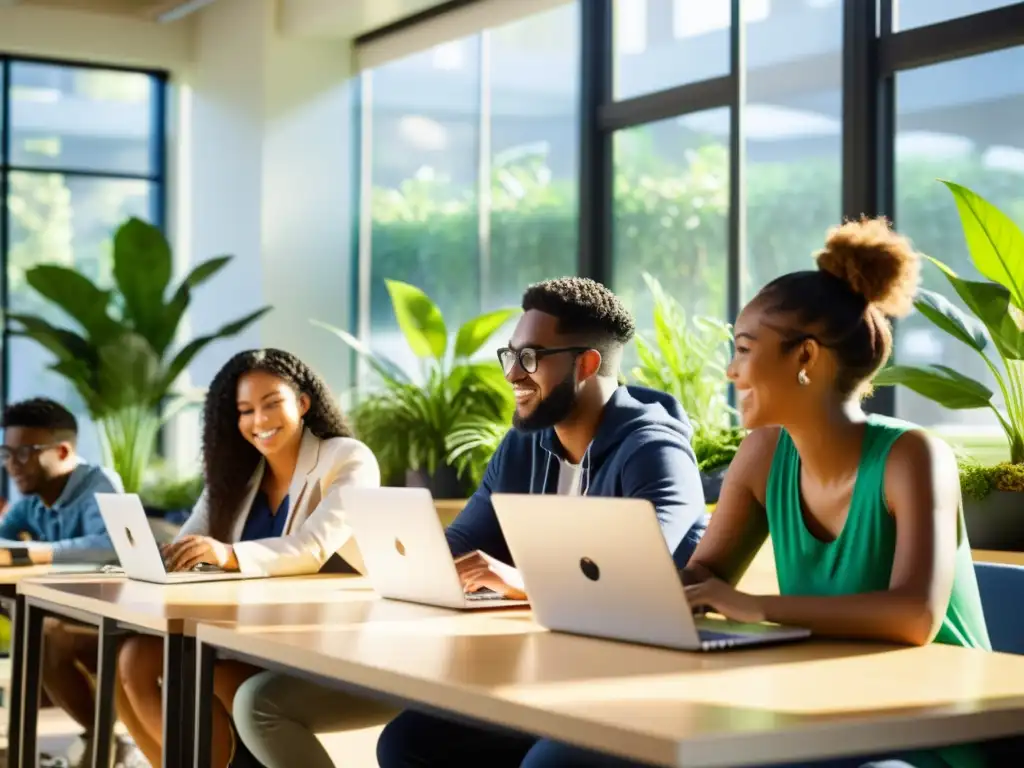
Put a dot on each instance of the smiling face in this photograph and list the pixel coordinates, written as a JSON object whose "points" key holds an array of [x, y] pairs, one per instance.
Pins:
{"points": [[34, 457], [765, 369], [546, 394], [269, 411]]}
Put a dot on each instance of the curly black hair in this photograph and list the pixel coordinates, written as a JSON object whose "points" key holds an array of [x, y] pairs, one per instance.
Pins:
{"points": [[229, 460], [588, 311], [41, 413]]}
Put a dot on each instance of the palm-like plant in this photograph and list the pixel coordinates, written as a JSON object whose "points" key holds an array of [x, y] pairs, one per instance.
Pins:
{"points": [[686, 357], [452, 413], [119, 357]]}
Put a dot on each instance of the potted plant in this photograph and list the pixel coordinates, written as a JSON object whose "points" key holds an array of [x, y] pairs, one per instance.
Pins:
{"points": [[993, 327], [119, 355], [438, 427], [687, 357]]}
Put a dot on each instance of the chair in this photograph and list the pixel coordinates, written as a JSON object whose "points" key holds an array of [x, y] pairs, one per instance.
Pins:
{"points": [[1002, 587]]}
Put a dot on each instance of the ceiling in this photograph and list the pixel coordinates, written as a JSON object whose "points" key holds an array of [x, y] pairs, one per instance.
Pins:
{"points": [[149, 10]]}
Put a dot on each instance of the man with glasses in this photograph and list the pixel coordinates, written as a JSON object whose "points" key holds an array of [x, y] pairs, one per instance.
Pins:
{"points": [[56, 520], [576, 431]]}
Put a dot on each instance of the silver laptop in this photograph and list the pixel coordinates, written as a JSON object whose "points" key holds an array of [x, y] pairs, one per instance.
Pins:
{"points": [[136, 545], [601, 567], [403, 545]]}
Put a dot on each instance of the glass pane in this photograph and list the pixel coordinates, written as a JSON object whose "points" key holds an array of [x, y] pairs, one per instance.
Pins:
{"points": [[908, 14], [81, 119], [793, 133], [67, 221], [426, 148], [534, 95], [959, 120], [661, 44], [671, 211]]}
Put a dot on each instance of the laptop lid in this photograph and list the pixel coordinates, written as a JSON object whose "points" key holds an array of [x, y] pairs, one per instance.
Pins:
{"points": [[131, 535], [597, 566], [403, 544]]}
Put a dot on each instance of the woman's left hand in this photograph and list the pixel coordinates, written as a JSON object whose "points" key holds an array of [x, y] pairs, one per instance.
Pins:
{"points": [[718, 596], [184, 554]]}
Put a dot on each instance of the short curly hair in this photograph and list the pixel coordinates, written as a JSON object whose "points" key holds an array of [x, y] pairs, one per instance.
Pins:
{"points": [[229, 460], [588, 311], [41, 413]]}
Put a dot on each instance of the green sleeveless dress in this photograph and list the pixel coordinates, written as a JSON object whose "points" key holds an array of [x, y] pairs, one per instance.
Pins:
{"points": [[860, 559]]}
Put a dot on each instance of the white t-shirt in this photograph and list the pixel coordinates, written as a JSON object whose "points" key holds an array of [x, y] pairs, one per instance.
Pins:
{"points": [[569, 476]]}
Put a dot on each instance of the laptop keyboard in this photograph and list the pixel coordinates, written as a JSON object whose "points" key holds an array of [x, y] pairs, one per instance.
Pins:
{"points": [[484, 594]]}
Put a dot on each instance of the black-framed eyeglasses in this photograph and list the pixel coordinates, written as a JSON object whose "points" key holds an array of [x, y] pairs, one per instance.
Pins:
{"points": [[23, 453], [529, 357]]}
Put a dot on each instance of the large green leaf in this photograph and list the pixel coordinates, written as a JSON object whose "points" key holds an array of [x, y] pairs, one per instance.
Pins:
{"points": [[945, 386], [142, 271], [65, 344], [175, 308], [474, 333], [995, 242], [194, 347], [950, 318], [78, 297], [990, 302], [420, 320], [128, 374], [392, 375]]}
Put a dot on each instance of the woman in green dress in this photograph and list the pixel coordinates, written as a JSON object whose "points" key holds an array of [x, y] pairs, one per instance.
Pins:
{"points": [[864, 512]]}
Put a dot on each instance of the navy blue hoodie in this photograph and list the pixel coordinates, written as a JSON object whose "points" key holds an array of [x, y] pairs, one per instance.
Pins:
{"points": [[641, 450]]}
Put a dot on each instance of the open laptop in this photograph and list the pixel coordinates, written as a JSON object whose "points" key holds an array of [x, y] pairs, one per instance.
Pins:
{"points": [[600, 567], [404, 549], [136, 545]]}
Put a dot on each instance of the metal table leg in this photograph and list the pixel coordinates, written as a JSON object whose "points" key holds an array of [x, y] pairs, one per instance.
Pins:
{"points": [[32, 672], [206, 659], [16, 609], [106, 670]]}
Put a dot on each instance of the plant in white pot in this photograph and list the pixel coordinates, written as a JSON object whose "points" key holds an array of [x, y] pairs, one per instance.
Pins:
{"points": [[993, 327]]}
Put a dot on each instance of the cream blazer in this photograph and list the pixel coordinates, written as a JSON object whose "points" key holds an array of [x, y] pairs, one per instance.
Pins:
{"points": [[313, 531]]}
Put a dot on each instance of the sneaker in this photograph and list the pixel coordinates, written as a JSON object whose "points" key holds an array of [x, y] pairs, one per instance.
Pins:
{"points": [[128, 755], [51, 761]]}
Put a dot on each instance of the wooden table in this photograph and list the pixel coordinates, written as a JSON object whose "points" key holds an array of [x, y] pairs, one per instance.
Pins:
{"points": [[790, 703], [118, 606]]}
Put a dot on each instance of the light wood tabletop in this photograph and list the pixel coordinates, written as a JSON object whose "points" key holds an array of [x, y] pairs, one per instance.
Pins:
{"points": [[785, 703], [175, 609], [12, 575]]}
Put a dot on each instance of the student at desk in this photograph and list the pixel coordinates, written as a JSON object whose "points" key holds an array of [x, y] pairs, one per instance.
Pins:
{"points": [[577, 432], [58, 515], [864, 512], [275, 445]]}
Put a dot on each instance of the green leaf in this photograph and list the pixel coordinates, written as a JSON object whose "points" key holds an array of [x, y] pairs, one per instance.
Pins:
{"points": [[128, 374], [387, 370], [65, 344], [995, 242], [990, 302], [420, 320], [142, 270], [950, 318], [78, 297], [945, 386], [175, 308], [474, 333], [194, 347]]}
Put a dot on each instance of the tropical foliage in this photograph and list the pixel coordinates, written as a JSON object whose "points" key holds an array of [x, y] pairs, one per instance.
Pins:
{"points": [[120, 351], [992, 326], [451, 412]]}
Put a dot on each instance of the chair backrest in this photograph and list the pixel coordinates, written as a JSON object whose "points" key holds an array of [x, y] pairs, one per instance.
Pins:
{"points": [[1002, 592]]}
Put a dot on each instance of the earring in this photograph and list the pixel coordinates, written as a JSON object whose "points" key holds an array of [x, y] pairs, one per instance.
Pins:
{"points": [[803, 378]]}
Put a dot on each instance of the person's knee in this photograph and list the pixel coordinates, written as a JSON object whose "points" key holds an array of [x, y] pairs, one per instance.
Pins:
{"points": [[257, 702], [398, 741], [139, 663]]}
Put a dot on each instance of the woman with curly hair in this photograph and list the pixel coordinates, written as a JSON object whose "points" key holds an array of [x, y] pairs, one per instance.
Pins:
{"points": [[275, 446]]}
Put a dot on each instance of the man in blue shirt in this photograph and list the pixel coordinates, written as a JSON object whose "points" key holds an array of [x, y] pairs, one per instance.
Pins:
{"points": [[58, 521], [58, 512]]}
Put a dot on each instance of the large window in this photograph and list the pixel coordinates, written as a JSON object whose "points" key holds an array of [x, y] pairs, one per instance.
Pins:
{"points": [[82, 152], [474, 169], [958, 120]]}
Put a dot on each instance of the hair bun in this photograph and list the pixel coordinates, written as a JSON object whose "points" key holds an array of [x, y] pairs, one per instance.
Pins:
{"points": [[875, 262]]}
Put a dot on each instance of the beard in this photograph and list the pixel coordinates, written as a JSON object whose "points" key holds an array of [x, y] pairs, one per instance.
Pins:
{"points": [[553, 409]]}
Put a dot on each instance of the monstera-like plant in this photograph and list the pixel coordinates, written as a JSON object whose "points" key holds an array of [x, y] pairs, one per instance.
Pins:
{"points": [[436, 427], [120, 354]]}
